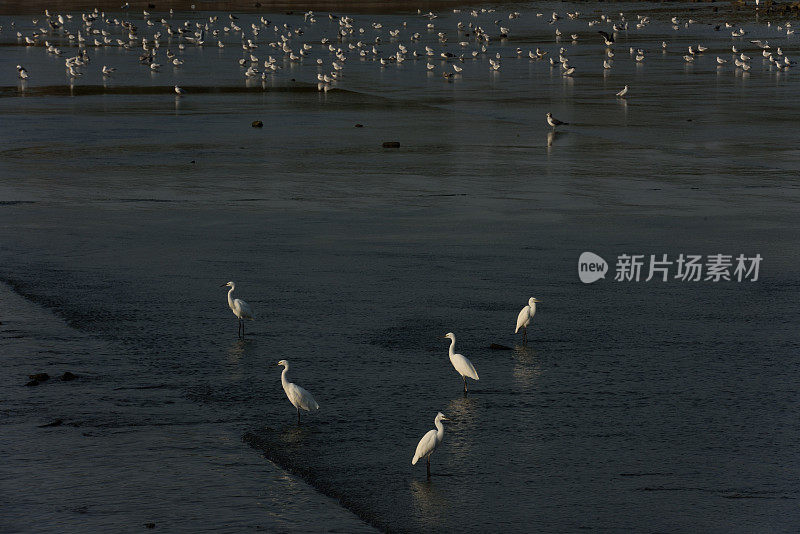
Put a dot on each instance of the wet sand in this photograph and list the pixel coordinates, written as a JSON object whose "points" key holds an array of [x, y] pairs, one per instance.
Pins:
{"points": [[56, 433]]}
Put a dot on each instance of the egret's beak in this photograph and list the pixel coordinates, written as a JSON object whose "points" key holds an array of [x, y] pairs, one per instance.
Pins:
{"points": [[445, 418], [536, 300], [223, 285]]}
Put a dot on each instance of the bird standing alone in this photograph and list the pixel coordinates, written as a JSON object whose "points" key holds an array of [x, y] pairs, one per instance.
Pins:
{"points": [[524, 318], [299, 397], [240, 308], [460, 362], [429, 442], [552, 121]]}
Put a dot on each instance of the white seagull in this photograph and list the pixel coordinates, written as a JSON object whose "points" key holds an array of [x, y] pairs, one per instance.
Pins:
{"points": [[623, 92], [552, 121]]}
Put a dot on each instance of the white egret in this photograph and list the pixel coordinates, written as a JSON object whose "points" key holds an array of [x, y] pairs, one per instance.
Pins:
{"points": [[525, 316], [240, 308], [460, 362], [299, 397], [429, 442]]}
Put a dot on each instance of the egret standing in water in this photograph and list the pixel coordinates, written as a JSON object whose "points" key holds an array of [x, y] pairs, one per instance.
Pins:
{"points": [[430, 441], [240, 308], [299, 397], [524, 318], [460, 362]]}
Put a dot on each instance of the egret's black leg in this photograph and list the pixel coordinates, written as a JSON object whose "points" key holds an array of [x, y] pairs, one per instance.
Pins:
{"points": [[242, 329], [298, 416], [428, 464], [465, 383]]}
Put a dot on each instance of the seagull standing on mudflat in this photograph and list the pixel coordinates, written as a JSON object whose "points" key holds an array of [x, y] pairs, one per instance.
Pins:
{"points": [[552, 121]]}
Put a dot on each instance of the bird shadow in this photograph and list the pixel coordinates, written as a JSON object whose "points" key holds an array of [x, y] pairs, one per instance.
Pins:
{"points": [[294, 434]]}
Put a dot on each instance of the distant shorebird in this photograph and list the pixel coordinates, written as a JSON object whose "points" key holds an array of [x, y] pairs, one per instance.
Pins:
{"points": [[179, 91], [344, 41], [552, 121], [624, 92], [430, 442], [240, 308], [526, 314], [608, 39], [460, 362], [299, 397]]}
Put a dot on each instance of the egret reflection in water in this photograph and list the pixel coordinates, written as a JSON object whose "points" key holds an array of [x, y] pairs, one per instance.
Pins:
{"points": [[236, 351], [526, 367], [429, 504], [464, 414]]}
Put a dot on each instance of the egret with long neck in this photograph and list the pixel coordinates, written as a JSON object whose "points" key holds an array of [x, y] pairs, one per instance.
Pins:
{"points": [[525, 317], [240, 308], [299, 397], [429, 442], [460, 362]]}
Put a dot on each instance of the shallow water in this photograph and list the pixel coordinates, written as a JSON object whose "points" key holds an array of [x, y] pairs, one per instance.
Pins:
{"points": [[635, 407]]}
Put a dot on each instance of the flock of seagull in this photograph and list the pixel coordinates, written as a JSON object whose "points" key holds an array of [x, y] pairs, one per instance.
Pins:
{"points": [[301, 399], [451, 46]]}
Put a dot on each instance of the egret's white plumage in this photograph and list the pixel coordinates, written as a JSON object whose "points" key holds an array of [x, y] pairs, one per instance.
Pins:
{"points": [[460, 362], [240, 308], [525, 316], [429, 442], [299, 397]]}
